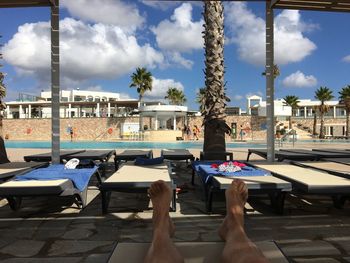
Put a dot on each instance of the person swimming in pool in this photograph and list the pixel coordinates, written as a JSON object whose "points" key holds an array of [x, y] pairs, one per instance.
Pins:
{"points": [[238, 247]]}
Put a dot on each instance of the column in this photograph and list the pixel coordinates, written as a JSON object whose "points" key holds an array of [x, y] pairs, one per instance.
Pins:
{"points": [[29, 111], [8, 111], [69, 110], [20, 112], [174, 123], [156, 123], [305, 112], [98, 109], [55, 82], [334, 111], [270, 119], [109, 109]]}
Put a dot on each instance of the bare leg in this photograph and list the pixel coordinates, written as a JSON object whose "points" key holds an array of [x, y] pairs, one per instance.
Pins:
{"points": [[238, 248], [162, 248]]}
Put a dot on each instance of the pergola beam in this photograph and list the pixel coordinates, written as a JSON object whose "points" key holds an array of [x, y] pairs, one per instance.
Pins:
{"points": [[313, 5], [24, 3]]}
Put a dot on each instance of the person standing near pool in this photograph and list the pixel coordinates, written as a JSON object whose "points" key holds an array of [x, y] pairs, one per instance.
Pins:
{"points": [[71, 132]]}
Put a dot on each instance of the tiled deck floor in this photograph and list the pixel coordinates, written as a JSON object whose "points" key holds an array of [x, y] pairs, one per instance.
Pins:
{"points": [[44, 231]]}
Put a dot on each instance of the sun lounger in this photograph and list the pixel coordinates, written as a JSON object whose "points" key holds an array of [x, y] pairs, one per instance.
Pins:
{"points": [[281, 155], [339, 160], [102, 156], [131, 155], [320, 155], [332, 150], [258, 182], [46, 157], [193, 252], [52, 180], [8, 170], [177, 154], [134, 178], [310, 181], [338, 169]]}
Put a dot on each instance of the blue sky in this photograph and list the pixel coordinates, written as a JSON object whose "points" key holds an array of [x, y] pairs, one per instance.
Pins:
{"points": [[103, 44]]}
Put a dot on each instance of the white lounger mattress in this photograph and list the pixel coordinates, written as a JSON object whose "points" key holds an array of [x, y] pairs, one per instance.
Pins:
{"points": [[35, 187], [336, 167], [139, 176], [311, 180]]}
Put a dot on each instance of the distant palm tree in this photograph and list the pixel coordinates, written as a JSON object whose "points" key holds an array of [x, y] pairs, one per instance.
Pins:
{"points": [[142, 80], [215, 126], [200, 99], [323, 94], [276, 71], [175, 96], [345, 99], [292, 101]]}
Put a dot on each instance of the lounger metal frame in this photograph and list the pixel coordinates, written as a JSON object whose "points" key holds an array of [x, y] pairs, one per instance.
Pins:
{"points": [[80, 197], [106, 190]]}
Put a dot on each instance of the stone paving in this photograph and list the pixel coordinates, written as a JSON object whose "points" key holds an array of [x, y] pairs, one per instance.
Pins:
{"points": [[54, 230]]}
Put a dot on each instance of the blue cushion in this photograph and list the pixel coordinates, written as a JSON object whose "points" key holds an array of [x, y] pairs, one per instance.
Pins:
{"points": [[148, 161]]}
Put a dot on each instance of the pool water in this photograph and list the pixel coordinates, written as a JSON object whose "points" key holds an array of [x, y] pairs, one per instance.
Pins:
{"points": [[124, 145]]}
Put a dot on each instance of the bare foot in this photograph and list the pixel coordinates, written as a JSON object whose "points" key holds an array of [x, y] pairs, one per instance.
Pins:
{"points": [[236, 197], [161, 195]]}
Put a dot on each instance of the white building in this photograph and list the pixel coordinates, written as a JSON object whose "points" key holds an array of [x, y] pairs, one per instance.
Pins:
{"points": [[306, 108], [73, 103]]}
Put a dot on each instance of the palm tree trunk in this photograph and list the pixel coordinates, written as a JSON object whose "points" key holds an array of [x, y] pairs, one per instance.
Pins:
{"points": [[3, 153], [315, 124], [215, 126], [290, 122], [322, 126]]}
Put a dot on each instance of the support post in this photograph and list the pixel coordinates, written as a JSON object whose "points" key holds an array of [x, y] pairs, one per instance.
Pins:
{"points": [[109, 110], [270, 118], [98, 109], [55, 83], [29, 111]]}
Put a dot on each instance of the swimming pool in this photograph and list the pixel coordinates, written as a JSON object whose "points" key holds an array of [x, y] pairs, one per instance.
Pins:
{"points": [[124, 145]]}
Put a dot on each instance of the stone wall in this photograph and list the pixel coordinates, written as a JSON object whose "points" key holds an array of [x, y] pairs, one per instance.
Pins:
{"points": [[105, 129], [85, 129]]}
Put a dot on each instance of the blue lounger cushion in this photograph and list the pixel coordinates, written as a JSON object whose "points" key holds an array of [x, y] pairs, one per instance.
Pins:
{"points": [[79, 177], [207, 172], [148, 161]]}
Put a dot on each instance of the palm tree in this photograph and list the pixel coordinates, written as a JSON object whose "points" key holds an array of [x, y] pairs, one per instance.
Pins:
{"points": [[200, 99], [292, 101], [175, 96], [323, 94], [345, 99], [215, 126], [142, 80]]}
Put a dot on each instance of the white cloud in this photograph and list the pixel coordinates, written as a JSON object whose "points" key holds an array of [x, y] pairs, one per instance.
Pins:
{"points": [[180, 33], [346, 59], [237, 97], [162, 5], [161, 86], [87, 51], [176, 58], [113, 12], [248, 32], [299, 80]]}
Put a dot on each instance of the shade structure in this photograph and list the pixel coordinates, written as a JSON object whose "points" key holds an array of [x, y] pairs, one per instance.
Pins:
{"points": [[25, 3], [55, 64], [314, 5]]}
